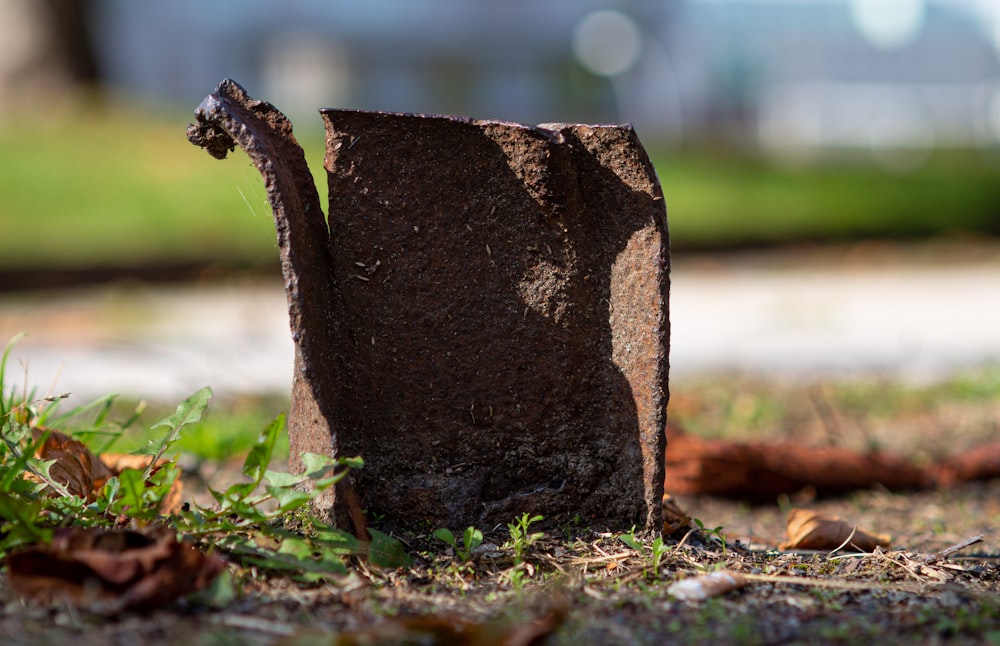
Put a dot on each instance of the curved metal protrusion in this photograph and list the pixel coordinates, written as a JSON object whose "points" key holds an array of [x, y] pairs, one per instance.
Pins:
{"points": [[229, 117]]}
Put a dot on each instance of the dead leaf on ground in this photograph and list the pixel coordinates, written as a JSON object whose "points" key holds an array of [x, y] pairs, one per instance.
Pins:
{"points": [[674, 518], [112, 571], [760, 471], [810, 530], [764, 470], [118, 462], [978, 463], [83, 473], [75, 466], [706, 586]]}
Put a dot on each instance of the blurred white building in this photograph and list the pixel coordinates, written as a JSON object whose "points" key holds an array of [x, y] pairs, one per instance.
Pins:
{"points": [[796, 76]]}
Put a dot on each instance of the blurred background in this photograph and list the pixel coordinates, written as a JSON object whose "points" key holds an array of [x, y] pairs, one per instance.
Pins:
{"points": [[765, 118], [773, 124]]}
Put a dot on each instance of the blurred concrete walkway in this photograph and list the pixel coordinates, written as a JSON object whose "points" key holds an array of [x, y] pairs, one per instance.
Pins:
{"points": [[795, 316], [907, 319]]}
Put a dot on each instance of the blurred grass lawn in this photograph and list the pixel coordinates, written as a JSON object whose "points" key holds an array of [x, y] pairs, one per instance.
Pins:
{"points": [[116, 189], [111, 191]]}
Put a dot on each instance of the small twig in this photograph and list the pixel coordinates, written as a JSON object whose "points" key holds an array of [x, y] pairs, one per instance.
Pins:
{"points": [[620, 556], [885, 556], [948, 551], [553, 561], [683, 540], [846, 542], [598, 548]]}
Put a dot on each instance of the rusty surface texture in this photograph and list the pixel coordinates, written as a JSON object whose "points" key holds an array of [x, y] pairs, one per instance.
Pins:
{"points": [[486, 320]]}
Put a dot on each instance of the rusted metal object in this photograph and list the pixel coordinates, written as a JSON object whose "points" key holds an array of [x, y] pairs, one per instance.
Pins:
{"points": [[486, 319]]}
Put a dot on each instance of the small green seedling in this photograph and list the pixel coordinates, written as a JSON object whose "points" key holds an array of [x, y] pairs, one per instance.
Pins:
{"points": [[717, 532], [631, 541], [471, 539], [520, 538], [658, 549]]}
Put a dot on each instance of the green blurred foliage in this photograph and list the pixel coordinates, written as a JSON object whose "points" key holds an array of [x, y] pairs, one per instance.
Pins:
{"points": [[112, 188]]}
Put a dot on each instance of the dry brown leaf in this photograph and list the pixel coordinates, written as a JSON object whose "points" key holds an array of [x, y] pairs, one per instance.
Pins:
{"points": [[118, 462], [978, 463], [75, 466], [674, 518], [109, 571], [706, 586], [763, 470], [760, 471], [810, 530], [83, 473]]}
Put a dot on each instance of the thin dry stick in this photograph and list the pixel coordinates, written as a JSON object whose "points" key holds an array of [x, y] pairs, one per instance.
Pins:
{"points": [[948, 551], [927, 571], [598, 549], [846, 542], [885, 556], [620, 556], [554, 562], [682, 541]]}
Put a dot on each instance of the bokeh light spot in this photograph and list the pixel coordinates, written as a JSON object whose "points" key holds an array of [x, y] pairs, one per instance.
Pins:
{"points": [[607, 43], [888, 24]]}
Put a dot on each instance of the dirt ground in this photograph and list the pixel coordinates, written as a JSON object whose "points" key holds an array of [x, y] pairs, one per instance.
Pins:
{"points": [[580, 585], [597, 590]]}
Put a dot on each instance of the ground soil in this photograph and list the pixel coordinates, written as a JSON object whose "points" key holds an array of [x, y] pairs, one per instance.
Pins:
{"points": [[582, 585], [596, 590]]}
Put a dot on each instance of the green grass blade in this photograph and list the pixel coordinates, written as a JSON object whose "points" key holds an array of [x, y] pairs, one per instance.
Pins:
{"points": [[116, 434], [6, 406], [259, 457], [103, 403], [188, 412]]}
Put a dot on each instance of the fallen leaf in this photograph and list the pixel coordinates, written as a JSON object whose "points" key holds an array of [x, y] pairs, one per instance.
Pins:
{"points": [[118, 462], [810, 530], [705, 586], [674, 518], [110, 571], [83, 473], [978, 463], [761, 471], [75, 466]]}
